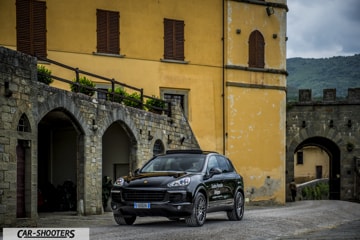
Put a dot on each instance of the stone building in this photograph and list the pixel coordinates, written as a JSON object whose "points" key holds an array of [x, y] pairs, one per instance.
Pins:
{"points": [[57, 146]]}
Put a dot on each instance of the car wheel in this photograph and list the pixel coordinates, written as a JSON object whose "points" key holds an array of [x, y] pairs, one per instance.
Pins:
{"points": [[238, 211], [119, 219], [198, 215]]}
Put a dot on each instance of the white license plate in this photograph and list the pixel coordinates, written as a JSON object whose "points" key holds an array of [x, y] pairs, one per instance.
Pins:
{"points": [[141, 205]]}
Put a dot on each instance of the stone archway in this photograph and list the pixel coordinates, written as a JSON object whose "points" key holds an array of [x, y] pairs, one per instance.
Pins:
{"points": [[59, 149], [334, 161]]}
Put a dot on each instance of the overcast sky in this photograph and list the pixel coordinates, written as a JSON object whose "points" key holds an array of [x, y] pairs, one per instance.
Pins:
{"points": [[323, 28]]}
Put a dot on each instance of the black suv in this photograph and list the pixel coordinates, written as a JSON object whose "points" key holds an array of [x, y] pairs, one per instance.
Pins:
{"points": [[180, 184]]}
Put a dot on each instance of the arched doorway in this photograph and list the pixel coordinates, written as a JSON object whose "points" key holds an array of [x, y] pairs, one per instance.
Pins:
{"points": [[59, 137], [115, 151], [116, 155], [333, 152], [23, 169]]}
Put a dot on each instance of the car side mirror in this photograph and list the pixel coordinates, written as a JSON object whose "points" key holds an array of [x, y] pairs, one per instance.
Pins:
{"points": [[214, 171], [136, 171]]}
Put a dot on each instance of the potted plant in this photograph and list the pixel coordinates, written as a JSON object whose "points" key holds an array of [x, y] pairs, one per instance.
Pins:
{"points": [[118, 95], [155, 104], [133, 100], [44, 75], [85, 86]]}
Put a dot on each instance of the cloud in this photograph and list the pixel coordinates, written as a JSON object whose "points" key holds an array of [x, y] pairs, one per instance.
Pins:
{"points": [[323, 28]]}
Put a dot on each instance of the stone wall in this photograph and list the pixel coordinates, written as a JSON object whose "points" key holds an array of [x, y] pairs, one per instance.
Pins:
{"points": [[334, 126], [21, 94]]}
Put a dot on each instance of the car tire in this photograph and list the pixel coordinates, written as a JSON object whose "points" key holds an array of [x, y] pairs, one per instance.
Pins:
{"points": [[198, 215], [121, 220], [238, 211]]}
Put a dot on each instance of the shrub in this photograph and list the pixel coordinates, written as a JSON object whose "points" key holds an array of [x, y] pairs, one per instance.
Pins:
{"points": [[133, 100], [44, 75], [119, 94], [85, 86], [155, 102], [316, 192]]}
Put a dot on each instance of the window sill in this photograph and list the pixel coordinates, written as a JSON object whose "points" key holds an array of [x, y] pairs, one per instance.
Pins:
{"points": [[173, 61], [109, 55]]}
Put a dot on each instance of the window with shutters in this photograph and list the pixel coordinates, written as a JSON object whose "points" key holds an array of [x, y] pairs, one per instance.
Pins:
{"points": [[256, 50], [31, 27], [108, 31], [174, 39]]}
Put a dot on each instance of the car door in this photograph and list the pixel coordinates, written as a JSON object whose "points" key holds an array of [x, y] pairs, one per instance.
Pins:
{"points": [[229, 179], [213, 183]]}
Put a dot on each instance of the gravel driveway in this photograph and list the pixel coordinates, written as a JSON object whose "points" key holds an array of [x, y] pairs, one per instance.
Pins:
{"points": [[326, 219]]}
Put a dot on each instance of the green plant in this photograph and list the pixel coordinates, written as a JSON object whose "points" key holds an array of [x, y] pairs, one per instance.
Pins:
{"points": [[316, 192], [133, 100], [155, 102], [85, 86], [44, 75], [118, 96]]}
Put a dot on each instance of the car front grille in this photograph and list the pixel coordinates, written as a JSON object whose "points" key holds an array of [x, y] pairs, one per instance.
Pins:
{"points": [[143, 195]]}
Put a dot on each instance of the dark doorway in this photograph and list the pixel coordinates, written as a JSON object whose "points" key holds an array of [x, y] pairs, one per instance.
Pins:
{"points": [[319, 172], [58, 158], [334, 155], [20, 184]]}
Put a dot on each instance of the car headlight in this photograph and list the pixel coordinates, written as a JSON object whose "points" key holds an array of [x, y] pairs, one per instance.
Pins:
{"points": [[119, 182], [180, 183]]}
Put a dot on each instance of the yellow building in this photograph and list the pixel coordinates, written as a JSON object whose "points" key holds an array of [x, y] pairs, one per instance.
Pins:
{"points": [[311, 163], [223, 60]]}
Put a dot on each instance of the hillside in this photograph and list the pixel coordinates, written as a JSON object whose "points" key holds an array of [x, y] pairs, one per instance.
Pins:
{"points": [[318, 74]]}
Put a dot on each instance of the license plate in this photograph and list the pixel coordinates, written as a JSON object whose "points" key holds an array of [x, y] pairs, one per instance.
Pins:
{"points": [[141, 205]]}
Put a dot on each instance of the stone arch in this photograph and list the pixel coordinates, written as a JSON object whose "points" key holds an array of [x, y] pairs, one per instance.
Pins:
{"points": [[61, 101], [159, 135], [30, 116], [328, 141], [61, 154], [121, 116], [159, 147]]}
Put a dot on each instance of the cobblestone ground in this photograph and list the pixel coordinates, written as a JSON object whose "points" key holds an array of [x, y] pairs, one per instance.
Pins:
{"points": [[299, 220]]}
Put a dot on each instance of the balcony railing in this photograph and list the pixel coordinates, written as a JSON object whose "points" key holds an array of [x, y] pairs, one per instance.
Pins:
{"points": [[142, 101]]}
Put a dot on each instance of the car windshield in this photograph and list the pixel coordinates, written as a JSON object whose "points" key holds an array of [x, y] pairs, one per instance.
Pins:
{"points": [[175, 163]]}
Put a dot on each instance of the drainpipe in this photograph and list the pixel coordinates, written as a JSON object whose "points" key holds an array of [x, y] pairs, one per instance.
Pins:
{"points": [[223, 74]]}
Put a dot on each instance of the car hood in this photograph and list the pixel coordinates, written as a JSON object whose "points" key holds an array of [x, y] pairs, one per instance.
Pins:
{"points": [[156, 179]]}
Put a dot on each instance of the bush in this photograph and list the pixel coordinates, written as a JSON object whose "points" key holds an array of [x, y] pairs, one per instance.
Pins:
{"points": [[84, 86], [316, 192], [155, 102], [119, 94], [44, 75], [133, 100]]}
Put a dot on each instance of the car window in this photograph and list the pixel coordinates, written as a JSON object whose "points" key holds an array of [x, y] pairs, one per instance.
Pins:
{"points": [[224, 164], [213, 163], [175, 162]]}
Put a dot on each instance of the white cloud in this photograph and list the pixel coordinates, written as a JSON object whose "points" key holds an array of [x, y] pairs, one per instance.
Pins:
{"points": [[323, 28]]}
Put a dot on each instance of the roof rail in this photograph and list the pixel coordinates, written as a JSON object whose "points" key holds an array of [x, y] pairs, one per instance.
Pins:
{"points": [[192, 151]]}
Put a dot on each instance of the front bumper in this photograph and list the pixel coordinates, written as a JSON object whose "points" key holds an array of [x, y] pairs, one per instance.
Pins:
{"points": [[173, 203]]}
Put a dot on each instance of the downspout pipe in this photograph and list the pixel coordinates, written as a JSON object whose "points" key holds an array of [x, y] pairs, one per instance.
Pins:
{"points": [[223, 77]]}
